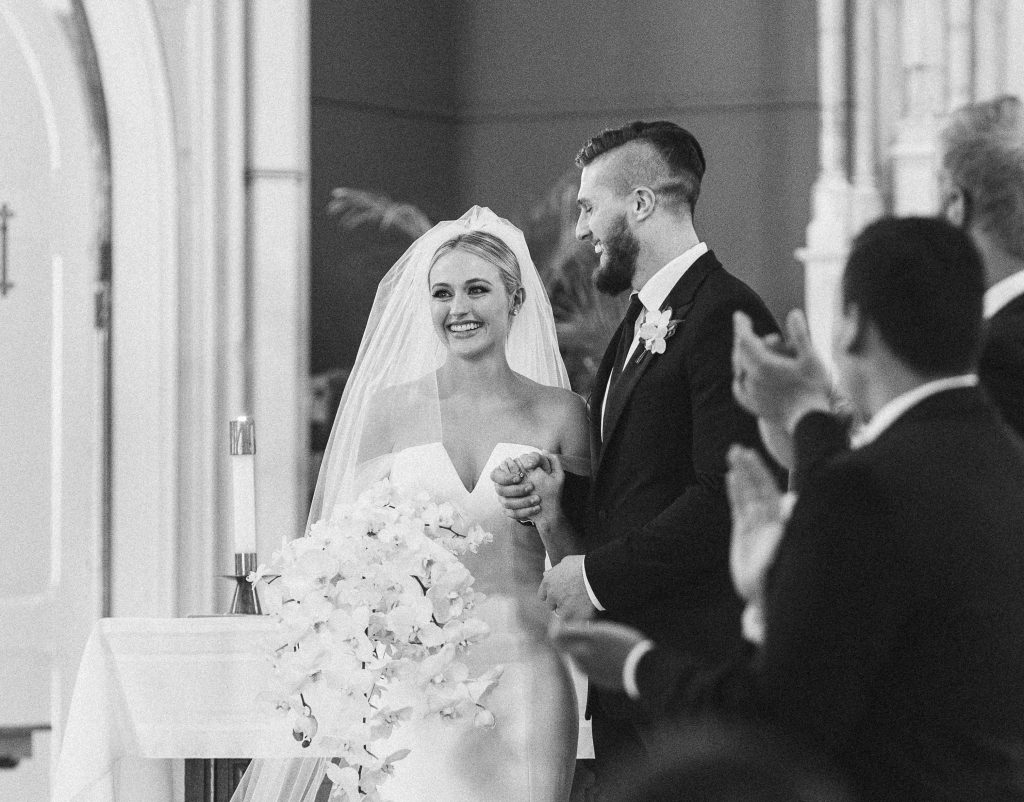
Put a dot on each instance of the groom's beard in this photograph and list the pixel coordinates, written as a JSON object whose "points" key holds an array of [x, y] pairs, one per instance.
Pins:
{"points": [[621, 249]]}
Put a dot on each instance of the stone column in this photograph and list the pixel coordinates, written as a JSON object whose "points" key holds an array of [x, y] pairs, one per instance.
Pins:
{"points": [[915, 164], [960, 67], [867, 200], [828, 231], [990, 39], [278, 224]]}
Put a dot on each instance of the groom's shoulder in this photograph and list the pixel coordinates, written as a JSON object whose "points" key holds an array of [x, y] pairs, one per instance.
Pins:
{"points": [[723, 293]]}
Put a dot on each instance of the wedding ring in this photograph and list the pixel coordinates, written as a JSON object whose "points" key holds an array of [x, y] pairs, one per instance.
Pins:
{"points": [[519, 476]]}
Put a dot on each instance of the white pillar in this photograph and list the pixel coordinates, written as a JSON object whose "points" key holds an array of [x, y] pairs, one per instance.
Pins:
{"points": [[213, 308], [279, 263], [990, 36], [867, 200], [914, 155], [828, 231], [960, 67]]}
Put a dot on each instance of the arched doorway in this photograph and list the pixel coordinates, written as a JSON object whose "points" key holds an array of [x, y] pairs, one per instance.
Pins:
{"points": [[55, 385]]}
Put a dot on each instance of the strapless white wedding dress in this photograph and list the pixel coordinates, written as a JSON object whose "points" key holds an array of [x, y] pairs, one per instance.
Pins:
{"points": [[529, 754]]}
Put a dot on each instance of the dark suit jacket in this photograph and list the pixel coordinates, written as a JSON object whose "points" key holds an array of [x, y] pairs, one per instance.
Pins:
{"points": [[1001, 368], [895, 610], [658, 534]]}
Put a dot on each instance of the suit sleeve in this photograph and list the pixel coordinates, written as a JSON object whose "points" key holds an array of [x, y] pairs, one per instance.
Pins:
{"points": [[690, 538], [1002, 376], [838, 600], [818, 438]]}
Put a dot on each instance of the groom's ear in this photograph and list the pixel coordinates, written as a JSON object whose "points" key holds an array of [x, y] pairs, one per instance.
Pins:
{"points": [[643, 202]]}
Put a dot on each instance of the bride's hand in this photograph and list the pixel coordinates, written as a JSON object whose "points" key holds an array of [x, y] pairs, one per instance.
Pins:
{"points": [[514, 487]]}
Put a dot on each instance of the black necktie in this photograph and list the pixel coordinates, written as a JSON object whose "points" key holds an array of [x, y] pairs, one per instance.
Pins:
{"points": [[626, 336]]}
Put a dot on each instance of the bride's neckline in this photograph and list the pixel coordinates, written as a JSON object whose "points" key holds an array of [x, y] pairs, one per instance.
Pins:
{"points": [[484, 471]]}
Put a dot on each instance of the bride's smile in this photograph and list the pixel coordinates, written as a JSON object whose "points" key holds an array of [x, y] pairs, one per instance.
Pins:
{"points": [[470, 306]]}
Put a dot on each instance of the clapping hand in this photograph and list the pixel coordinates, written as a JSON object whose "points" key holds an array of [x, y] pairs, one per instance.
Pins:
{"points": [[757, 523], [777, 380]]}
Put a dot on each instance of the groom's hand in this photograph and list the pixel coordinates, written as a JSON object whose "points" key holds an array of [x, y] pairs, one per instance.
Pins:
{"points": [[514, 487], [564, 590]]}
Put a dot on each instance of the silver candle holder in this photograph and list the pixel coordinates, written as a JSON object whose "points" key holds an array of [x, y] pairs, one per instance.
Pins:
{"points": [[246, 600]]}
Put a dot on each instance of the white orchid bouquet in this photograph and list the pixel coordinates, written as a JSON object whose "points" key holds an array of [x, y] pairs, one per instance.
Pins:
{"points": [[375, 616]]}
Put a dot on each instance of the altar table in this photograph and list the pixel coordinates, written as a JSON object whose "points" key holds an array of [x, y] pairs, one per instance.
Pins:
{"points": [[151, 692]]}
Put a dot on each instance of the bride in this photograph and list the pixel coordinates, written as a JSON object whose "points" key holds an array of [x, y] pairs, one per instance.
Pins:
{"points": [[458, 372]]}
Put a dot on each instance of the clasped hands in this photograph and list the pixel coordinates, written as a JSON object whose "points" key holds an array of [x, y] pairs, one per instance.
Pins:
{"points": [[530, 489]]}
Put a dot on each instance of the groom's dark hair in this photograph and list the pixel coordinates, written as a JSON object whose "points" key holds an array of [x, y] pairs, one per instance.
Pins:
{"points": [[920, 281], [678, 148]]}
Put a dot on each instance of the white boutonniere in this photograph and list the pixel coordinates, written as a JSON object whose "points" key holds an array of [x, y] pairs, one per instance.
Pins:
{"points": [[654, 331]]}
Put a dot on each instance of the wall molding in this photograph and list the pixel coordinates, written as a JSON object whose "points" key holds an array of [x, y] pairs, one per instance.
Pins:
{"points": [[525, 110]]}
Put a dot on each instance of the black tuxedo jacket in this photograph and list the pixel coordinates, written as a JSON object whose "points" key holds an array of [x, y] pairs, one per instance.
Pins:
{"points": [[658, 530], [1001, 368], [894, 611]]}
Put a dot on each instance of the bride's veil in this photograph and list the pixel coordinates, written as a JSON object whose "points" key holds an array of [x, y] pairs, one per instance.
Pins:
{"points": [[392, 388]]}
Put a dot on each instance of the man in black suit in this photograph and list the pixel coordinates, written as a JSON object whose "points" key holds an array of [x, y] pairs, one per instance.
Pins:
{"points": [[894, 618], [982, 187], [662, 417]]}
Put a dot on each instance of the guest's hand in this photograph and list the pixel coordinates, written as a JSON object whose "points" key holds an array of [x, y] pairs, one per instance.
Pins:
{"points": [[514, 488], [757, 523], [779, 381], [564, 590], [599, 648]]}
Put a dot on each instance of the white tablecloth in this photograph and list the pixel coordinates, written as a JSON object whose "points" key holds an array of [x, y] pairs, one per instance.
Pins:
{"points": [[149, 690]]}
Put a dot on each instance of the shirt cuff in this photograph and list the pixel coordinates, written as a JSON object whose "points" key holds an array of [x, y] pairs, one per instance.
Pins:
{"points": [[629, 668], [590, 590], [753, 623]]}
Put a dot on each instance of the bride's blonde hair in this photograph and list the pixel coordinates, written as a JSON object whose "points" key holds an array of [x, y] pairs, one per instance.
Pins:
{"points": [[491, 249]]}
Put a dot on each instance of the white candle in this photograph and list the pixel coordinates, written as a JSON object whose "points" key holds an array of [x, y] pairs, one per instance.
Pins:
{"points": [[243, 483]]}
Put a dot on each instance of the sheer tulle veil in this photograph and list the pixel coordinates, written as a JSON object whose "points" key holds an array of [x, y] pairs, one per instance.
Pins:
{"points": [[392, 385], [393, 381]]}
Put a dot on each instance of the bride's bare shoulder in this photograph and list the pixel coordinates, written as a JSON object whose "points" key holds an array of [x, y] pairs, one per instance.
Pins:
{"points": [[555, 403]]}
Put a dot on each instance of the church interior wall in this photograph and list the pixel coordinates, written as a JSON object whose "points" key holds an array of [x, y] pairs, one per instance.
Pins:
{"points": [[444, 105]]}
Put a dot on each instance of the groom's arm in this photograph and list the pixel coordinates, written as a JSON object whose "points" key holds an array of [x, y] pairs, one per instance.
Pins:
{"points": [[689, 540]]}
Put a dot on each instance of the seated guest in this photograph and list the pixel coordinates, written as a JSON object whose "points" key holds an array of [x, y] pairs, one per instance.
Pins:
{"points": [[894, 612], [982, 183]]}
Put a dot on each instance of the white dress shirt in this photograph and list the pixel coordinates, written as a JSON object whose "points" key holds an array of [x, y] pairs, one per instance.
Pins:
{"points": [[1001, 293], [897, 407], [652, 296]]}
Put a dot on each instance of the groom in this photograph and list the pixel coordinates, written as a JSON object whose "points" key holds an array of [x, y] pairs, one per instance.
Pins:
{"points": [[662, 417]]}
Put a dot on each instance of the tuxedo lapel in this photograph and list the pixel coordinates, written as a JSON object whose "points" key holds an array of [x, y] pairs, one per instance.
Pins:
{"points": [[680, 299], [597, 393]]}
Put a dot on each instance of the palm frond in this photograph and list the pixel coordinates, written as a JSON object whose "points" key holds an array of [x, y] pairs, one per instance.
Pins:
{"points": [[357, 207]]}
